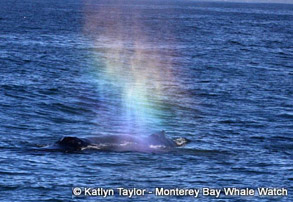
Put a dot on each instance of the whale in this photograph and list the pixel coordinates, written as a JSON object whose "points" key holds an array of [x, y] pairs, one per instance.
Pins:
{"points": [[156, 142]]}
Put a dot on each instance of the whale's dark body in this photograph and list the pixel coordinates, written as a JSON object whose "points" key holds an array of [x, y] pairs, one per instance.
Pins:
{"points": [[153, 143]]}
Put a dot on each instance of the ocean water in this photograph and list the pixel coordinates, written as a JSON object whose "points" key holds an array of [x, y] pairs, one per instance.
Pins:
{"points": [[219, 74]]}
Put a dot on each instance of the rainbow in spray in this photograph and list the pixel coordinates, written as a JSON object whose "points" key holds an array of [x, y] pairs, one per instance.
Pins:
{"points": [[132, 73]]}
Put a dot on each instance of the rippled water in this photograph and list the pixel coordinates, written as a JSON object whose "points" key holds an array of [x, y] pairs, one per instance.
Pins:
{"points": [[219, 74]]}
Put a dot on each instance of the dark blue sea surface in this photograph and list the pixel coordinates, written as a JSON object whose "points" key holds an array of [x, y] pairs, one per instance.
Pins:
{"points": [[219, 74]]}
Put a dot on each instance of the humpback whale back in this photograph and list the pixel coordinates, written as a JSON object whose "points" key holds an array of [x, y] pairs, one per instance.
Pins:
{"points": [[181, 141], [161, 139], [175, 142], [72, 143], [153, 143]]}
